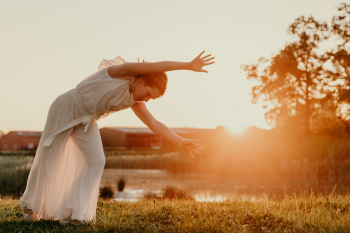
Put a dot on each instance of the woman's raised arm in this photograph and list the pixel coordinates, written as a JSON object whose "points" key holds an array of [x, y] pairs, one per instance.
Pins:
{"points": [[135, 68], [162, 130]]}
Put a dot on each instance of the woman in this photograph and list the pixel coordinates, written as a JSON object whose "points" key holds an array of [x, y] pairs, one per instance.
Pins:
{"points": [[65, 176]]}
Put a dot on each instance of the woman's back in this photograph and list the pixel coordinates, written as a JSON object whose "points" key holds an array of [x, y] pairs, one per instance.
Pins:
{"points": [[99, 93]]}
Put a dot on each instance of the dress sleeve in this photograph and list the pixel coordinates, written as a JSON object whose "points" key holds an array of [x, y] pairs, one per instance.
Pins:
{"points": [[107, 63]]}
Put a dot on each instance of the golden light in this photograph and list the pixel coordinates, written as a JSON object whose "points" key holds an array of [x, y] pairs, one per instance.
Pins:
{"points": [[236, 129]]}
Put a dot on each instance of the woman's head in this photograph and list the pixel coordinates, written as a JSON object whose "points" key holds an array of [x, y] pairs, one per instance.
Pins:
{"points": [[149, 86]]}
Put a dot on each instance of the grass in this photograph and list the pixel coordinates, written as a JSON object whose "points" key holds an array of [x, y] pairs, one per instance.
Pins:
{"points": [[15, 162], [18, 153], [306, 213], [14, 171], [152, 161]]}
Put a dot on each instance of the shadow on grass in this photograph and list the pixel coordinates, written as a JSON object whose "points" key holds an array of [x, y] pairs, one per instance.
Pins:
{"points": [[39, 226]]}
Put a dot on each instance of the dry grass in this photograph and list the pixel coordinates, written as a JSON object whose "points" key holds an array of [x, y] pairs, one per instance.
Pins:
{"points": [[14, 171], [308, 213]]}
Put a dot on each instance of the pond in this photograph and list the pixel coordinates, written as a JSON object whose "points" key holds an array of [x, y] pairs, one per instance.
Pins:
{"points": [[217, 188]]}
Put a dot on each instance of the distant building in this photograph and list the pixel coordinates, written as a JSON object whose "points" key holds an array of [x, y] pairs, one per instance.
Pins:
{"points": [[128, 137], [20, 140]]}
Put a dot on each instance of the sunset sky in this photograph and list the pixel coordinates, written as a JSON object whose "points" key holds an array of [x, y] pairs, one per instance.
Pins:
{"points": [[48, 47]]}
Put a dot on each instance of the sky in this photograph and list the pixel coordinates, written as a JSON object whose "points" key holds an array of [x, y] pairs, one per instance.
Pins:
{"points": [[48, 47]]}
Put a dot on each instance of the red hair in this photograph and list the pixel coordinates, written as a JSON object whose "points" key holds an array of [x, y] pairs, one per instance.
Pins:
{"points": [[155, 80]]}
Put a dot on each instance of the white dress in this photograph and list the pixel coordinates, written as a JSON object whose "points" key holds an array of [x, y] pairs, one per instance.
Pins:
{"points": [[65, 176]]}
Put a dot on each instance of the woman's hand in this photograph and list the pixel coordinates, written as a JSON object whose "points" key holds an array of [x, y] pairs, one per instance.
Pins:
{"points": [[191, 145], [198, 63]]}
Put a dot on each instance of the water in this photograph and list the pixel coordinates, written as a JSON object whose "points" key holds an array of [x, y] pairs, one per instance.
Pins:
{"points": [[217, 188]]}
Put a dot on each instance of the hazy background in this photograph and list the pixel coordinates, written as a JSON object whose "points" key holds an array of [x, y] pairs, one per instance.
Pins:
{"points": [[47, 48]]}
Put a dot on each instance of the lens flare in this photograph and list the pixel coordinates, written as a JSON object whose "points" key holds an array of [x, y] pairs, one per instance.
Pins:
{"points": [[236, 129]]}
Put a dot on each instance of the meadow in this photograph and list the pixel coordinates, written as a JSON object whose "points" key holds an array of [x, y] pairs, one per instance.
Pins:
{"points": [[303, 213], [299, 212], [14, 171]]}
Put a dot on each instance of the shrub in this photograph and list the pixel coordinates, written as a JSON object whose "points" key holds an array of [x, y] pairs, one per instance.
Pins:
{"points": [[172, 192], [121, 184], [106, 192]]}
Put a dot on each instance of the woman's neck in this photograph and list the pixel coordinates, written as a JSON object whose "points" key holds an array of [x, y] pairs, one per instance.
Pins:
{"points": [[132, 86]]}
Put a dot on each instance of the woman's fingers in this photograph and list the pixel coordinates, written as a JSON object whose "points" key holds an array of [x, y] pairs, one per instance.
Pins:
{"points": [[197, 151], [193, 140], [199, 145], [193, 145], [190, 152], [198, 62], [201, 54], [206, 60], [206, 56], [199, 148], [209, 63]]}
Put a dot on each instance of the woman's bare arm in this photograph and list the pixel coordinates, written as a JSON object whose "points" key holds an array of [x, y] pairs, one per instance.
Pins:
{"points": [[135, 68], [162, 130]]}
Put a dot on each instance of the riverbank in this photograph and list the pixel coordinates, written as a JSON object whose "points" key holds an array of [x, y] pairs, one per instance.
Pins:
{"points": [[309, 213]]}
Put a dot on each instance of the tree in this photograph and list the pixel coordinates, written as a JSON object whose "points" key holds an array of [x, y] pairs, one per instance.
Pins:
{"points": [[293, 83], [340, 59]]}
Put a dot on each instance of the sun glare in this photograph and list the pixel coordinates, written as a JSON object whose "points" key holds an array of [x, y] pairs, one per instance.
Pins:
{"points": [[236, 129]]}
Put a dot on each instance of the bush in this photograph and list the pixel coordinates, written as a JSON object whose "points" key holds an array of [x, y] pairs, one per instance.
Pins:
{"points": [[106, 192], [121, 184], [172, 192]]}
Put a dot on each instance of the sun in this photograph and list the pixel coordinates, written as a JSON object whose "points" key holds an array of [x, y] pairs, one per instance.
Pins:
{"points": [[236, 129]]}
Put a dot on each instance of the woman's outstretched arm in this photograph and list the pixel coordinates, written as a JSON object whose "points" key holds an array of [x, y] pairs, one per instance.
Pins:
{"points": [[135, 68], [162, 130]]}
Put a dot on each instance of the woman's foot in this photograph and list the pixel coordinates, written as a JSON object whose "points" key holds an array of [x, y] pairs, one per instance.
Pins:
{"points": [[28, 214]]}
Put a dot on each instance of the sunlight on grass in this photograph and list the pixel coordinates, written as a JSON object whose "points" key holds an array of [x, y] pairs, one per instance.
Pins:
{"points": [[303, 213]]}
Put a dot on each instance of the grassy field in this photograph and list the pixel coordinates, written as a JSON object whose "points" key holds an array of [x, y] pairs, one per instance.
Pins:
{"points": [[308, 213], [14, 171]]}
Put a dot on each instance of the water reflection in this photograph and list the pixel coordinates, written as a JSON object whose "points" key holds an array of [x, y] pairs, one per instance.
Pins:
{"points": [[129, 195], [217, 188], [202, 197]]}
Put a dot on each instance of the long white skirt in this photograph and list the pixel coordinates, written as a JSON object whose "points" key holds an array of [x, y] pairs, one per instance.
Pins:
{"points": [[65, 177]]}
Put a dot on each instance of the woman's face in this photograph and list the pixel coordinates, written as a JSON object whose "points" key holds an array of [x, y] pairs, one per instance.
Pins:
{"points": [[143, 92]]}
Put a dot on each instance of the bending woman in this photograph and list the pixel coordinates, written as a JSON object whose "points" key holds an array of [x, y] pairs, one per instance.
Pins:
{"points": [[65, 177]]}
